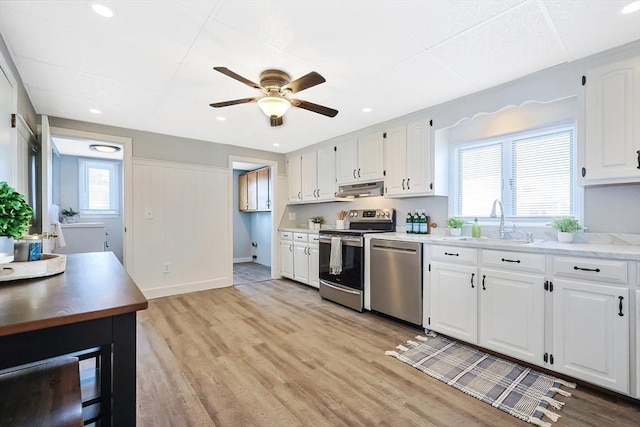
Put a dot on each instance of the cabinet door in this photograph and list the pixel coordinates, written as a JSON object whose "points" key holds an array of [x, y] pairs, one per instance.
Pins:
{"points": [[286, 259], [326, 173], [370, 157], [454, 301], [395, 161], [591, 332], [309, 174], [294, 177], [418, 165], [347, 162], [512, 314], [252, 191], [264, 198], [314, 266], [612, 137], [243, 203], [301, 262]]}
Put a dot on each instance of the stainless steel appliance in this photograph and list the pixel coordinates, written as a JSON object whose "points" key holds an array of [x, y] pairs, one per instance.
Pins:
{"points": [[396, 279], [347, 286]]}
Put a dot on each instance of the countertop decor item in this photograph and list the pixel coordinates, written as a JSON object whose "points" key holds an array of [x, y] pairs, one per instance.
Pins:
{"points": [[317, 222], [522, 392], [48, 265], [566, 226], [15, 217], [455, 225]]}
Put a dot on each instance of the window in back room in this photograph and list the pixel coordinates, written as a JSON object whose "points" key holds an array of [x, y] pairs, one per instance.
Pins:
{"points": [[99, 187]]}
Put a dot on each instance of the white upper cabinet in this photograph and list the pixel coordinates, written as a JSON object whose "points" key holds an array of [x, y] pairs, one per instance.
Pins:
{"points": [[612, 128], [360, 160], [408, 160], [312, 176]]}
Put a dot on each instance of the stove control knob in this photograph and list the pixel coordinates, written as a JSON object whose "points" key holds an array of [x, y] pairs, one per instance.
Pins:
{"points": [[354, 213], [378, 214], [387, 214]]}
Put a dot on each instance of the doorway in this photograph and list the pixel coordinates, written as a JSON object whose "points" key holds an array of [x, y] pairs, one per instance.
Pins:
{"points": [[253, 230]]}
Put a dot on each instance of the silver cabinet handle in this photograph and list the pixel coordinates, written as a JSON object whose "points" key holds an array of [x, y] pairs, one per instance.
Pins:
{"points": [[403, 183], [408, 187], [354, 173]]}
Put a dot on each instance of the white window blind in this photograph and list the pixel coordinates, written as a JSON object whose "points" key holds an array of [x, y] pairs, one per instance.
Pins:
{"points": [[532, 174]]}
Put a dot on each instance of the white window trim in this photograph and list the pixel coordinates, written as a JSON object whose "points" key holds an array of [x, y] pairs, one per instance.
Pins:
{"points": [[529, 222], [115, 190]]}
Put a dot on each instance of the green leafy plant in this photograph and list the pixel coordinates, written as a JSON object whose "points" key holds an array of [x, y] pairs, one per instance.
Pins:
{"points": [[15, 212], [566, 224], [455, 222], [68, 212], [317, 220]]}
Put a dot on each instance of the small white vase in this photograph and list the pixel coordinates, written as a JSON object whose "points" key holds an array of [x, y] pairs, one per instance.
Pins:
{"points": [[565, 237], [455, 231], [6, 249]]}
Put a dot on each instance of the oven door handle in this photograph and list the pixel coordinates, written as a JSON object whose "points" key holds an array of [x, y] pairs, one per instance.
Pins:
{"points": [[347, 241], [340, 288]]}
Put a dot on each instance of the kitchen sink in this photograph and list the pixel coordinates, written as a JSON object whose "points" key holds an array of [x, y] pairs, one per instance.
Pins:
{"points": [[491, 241]]}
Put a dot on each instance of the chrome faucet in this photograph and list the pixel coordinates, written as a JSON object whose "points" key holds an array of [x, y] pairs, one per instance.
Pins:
{"points": [[504, 233]]}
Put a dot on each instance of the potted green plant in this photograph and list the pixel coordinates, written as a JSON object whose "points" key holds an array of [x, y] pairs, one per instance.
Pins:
{"points": [[317, 222], [455, 225], [566, 226], [15, 218], [68, 215]]}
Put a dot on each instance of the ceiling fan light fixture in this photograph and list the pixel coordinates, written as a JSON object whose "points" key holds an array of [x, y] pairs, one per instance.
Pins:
{"points": [[274, 106]]}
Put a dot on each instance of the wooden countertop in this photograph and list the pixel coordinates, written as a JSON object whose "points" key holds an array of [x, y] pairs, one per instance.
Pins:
{"points": [[93, 286]]}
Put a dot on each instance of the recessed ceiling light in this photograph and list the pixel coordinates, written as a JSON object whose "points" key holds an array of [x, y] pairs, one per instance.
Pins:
{"points": [[366, 110], [276, 144], [634, 6], [103, 148], [220, 119], [95, 111], [103, 10]]}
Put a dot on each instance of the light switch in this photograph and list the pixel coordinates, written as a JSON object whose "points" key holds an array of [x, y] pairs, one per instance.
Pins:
{"points": [[148, 213]]}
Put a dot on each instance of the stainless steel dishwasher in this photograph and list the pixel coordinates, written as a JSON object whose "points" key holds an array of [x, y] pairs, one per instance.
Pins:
{"points": [[396, 279]]}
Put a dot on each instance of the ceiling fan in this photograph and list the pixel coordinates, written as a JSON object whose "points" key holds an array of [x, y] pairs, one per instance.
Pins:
{"points": [[277, 86]]}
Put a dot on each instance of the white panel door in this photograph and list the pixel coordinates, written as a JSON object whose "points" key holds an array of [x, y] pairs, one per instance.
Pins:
{"points": [[326, 173], [612, 134], [454, 301], [512, 314], [370, 157], [418, 155], [286, 259], [591, 333], [314, 266], [47, 182], [301, 262], [309, 174], [347, 162], [295, 179], [395, 158]]}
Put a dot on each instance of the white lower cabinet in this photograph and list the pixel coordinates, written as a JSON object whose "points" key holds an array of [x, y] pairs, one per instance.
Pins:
{"points": [[301, 262], [512, 313], [300, 258], [286, 255], [591, 332], [314, 260]]}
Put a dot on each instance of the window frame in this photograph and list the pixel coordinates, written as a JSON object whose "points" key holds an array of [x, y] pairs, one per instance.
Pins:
{"points": [[115, 188], [506, 140]]}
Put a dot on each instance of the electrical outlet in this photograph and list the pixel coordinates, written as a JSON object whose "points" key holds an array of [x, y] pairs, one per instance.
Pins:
{"points": [[166, 267], [292, 216], [148, 213]]}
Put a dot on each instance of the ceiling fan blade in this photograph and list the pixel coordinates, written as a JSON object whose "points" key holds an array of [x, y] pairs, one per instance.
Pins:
{"points": [[233, 102], [276, 121], [304, 82], [238, 77], [326, 111]]}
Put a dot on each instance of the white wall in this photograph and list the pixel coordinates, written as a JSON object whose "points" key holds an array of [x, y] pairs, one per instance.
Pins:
{"points": [[261, 234], [180, 217]]}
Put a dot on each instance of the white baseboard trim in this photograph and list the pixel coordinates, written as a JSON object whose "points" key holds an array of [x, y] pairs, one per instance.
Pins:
{"points": [[245, 259], [184, 288]]}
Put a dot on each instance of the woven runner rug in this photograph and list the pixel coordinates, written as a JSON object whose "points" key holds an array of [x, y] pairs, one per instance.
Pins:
{"points": [[514, 389]]}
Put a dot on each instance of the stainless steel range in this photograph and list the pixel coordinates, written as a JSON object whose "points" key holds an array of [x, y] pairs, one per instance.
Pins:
{"points": [[342, 255]]}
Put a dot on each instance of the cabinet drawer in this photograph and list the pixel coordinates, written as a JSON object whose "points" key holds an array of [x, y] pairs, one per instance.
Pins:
{"points": [[514, 260], [314, 239], [286, 235], [454, 254], [300, 237], [591, 269]]}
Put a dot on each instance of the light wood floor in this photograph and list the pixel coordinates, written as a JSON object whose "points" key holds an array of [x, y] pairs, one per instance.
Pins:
{"points": [[275, 354], [250, 272]]}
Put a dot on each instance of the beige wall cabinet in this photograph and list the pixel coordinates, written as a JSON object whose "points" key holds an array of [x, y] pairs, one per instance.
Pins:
{"points": [[253, 188], [612, 126]]}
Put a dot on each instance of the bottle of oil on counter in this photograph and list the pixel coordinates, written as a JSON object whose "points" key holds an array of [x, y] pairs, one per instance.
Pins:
{"points": [[416, 222], [424, 222], [409, 222]]}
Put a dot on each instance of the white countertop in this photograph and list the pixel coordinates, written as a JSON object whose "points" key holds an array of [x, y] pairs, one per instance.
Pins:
{"points": [[594, 250], [298, 230], [83, 225]]}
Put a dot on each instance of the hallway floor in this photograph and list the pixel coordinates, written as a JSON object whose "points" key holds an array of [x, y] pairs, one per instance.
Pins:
{"points": [[249, 272]]}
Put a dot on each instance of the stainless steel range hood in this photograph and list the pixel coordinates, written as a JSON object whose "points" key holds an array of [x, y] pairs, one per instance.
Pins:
{"points": [[369, 189]]}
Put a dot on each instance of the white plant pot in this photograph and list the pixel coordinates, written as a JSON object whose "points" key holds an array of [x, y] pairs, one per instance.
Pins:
{"points": [[455, 231], [6, 249], [316, 226], [564, 237]]}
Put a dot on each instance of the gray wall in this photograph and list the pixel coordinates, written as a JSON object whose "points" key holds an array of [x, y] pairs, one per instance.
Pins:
{"points": [[241, 226], [261, 234], [69, 194]]}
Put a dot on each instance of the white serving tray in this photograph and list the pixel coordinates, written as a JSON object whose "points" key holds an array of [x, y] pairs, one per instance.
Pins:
{"points": [[48, 265]]}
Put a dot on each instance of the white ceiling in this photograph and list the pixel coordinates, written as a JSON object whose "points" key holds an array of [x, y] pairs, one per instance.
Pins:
{"points": [[151, 66]]}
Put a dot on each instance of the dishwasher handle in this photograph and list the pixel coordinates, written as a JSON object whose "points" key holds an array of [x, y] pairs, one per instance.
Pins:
{"points": [[393, 249]]}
